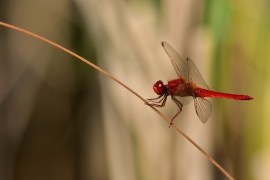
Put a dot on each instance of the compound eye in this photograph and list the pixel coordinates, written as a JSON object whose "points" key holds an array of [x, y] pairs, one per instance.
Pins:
{"points": [[159, 87]]}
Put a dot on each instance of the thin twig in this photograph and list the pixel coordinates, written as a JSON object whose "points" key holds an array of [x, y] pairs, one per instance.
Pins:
{"points": [[119, 82]]}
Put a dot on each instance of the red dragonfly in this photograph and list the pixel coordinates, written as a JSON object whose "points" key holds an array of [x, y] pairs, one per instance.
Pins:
{"points": [[189, 85]]}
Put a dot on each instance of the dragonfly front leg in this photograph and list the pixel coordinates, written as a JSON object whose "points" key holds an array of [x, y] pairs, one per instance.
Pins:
{"points": [[179, 105], [161, 99], [157, 99]]}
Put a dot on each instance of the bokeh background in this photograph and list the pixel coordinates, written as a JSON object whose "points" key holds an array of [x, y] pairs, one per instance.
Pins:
{"points": [[61, 119]]}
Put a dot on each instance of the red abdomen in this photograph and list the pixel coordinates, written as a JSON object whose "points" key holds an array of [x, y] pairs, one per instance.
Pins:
{"points": [[207, 93]]}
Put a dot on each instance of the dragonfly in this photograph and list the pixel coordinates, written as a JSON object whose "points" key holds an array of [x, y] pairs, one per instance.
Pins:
{"points": [[187, 87]]}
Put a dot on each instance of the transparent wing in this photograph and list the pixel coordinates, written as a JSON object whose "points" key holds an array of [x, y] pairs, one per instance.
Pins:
{"points": [[195, 75], [180, 66], [203, 108], [184, 100]]}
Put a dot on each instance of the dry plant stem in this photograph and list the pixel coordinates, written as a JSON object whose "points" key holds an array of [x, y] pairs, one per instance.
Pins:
{"points": [[113, 78]]}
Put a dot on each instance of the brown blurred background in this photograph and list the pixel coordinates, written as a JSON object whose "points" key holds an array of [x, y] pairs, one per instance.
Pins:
{"points": [[61, 119]]}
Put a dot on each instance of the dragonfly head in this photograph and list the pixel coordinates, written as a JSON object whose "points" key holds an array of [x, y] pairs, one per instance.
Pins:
{"points": [[159, 87]]}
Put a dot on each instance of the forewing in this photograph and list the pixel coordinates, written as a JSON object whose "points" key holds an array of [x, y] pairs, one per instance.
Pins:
{"points": [[180, 66], [184, 100], [195, 75], [203, 108]]}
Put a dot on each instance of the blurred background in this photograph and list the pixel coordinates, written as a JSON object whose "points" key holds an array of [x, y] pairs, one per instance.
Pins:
{"points": [[61, 119]]}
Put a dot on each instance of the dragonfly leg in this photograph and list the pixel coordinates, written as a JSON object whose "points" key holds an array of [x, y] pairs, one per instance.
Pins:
{"points": [[179, 106], [157, 99], [161, 99]]}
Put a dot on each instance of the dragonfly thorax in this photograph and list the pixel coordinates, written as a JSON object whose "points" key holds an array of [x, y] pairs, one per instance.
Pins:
{"points": [[159, 88]]}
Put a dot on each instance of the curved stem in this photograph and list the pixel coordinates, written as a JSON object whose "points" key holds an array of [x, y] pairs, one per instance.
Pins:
{"points": [[122, 84]]}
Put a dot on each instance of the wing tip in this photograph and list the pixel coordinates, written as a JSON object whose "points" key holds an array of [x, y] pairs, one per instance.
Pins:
{"points": [[162, 43]]}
